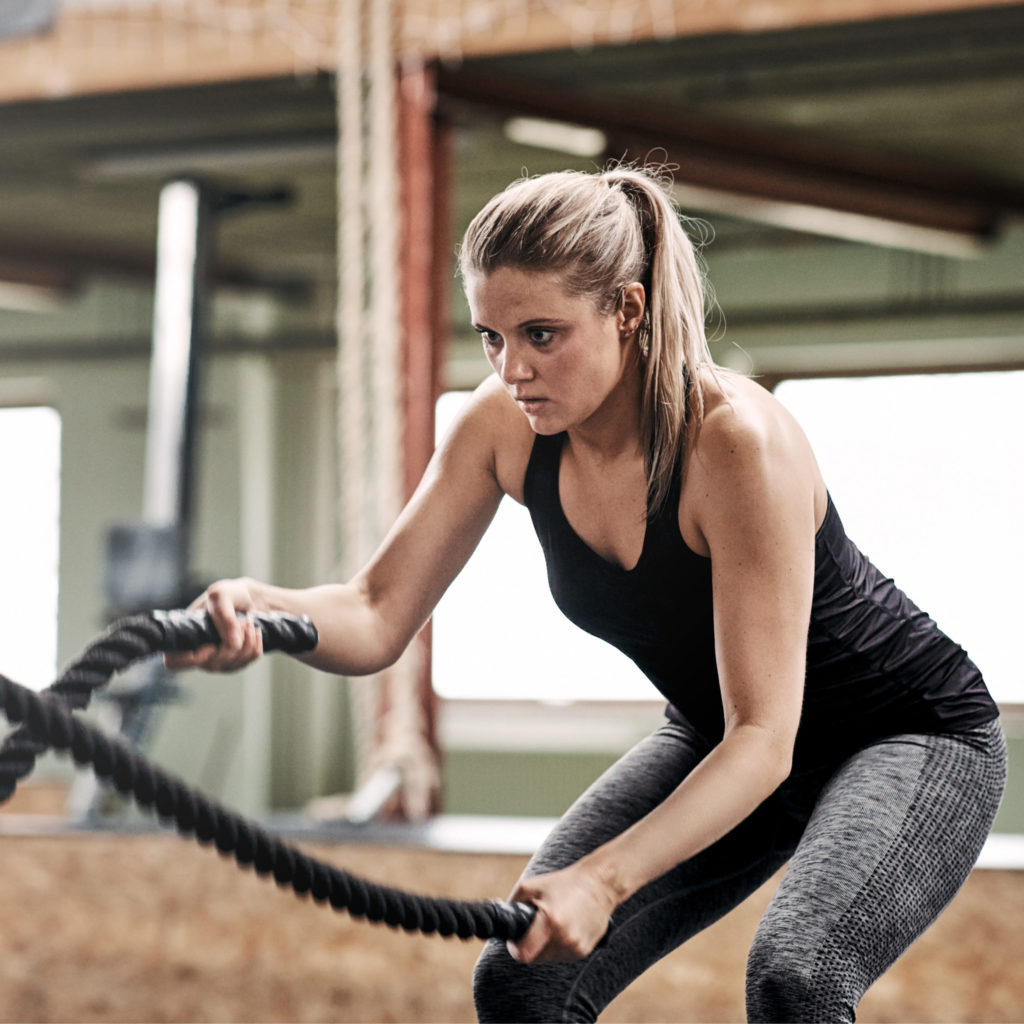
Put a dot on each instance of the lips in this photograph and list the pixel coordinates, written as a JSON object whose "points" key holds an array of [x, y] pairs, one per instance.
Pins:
{"points": [[529, 404]]}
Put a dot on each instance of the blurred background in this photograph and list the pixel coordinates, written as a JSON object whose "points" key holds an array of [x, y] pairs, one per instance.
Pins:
{"points": [[231, 329]]}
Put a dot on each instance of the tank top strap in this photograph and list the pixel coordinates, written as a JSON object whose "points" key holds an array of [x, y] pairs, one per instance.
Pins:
{"points": [[540, 486]]}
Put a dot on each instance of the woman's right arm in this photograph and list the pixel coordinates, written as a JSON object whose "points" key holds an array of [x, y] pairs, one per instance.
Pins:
{"points": [[366, 623]]}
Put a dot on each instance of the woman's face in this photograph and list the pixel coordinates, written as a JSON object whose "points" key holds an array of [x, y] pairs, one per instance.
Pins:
{"points": [[561, 361]]}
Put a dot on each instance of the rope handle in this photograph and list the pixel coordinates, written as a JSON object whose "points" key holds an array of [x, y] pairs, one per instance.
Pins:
{"points": [[45, 722], [185, 631]]}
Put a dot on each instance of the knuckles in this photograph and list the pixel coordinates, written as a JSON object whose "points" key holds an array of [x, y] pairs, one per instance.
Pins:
{"points": [[552, 941]]}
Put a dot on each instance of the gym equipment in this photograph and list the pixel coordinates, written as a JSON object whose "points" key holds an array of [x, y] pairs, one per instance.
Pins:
{"points": [[46, 721]]}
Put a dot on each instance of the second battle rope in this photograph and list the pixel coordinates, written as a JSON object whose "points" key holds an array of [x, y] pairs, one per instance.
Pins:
{"points": [[45, 722]]}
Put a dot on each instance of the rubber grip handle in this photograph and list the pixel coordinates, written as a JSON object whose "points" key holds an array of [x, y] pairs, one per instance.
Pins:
{"points": [[185, 631]]}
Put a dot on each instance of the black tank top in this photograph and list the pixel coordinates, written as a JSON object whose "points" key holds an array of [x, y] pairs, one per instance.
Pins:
{"points": [[876, 664]]}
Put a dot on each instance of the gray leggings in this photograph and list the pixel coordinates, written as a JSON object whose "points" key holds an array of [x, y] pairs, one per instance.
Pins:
{"points": [[877, 846]]}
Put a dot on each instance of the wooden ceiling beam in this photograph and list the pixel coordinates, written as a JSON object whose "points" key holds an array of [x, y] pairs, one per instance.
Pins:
{"points": [[762, 167], [134, 46], [499, 28]]}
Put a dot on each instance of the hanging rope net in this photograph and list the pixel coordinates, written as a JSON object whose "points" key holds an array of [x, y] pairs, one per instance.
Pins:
{"points": [[46, 722]]}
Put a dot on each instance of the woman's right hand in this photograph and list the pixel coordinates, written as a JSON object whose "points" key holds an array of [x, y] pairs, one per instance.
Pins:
{"points": [[241, 642]]}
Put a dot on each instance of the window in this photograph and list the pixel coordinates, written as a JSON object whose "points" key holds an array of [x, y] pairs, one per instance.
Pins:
{"points": [[498, 634], [925, 471], [29, 540]]}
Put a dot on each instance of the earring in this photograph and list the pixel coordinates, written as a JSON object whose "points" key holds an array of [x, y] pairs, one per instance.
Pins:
{"points": [[643, 337]]}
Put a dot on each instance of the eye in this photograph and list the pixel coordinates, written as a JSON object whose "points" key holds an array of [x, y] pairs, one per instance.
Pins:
{"points": [[540, 336], [491, 339]]}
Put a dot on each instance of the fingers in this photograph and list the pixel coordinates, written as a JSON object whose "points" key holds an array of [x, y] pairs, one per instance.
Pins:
{"points": [[569, 922], [224, 607], [244, 646], [526, 947], [545, 942], [532, 945], [241, 641]]}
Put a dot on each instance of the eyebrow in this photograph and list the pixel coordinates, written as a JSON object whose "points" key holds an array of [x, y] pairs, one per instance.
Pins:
{"points": [[532, 322]]}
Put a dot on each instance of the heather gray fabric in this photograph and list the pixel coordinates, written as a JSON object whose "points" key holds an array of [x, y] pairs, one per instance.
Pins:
{"points": [[877, 845]]}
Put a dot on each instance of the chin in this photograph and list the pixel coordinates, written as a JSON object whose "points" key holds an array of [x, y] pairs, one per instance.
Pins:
{"points": [[545, 426]]}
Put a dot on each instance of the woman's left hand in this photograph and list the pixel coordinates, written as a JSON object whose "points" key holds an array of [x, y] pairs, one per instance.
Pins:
{"points": [[573, 912]]}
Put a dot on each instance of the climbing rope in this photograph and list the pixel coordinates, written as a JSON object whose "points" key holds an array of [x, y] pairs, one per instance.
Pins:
{"points": [[45, 722]]}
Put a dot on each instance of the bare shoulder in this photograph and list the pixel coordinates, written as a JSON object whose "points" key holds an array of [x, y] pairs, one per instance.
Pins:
{"points": [[490, 427], [748, 456], [746, 425]]}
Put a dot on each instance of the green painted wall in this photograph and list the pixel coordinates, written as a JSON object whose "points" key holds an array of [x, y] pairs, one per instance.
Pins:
{"points": [[524, 783]]}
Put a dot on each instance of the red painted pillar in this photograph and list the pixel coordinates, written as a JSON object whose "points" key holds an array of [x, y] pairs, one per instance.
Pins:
{"points": [[425, 256]]}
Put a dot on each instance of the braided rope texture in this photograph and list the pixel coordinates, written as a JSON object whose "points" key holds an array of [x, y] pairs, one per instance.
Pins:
{"points": [[44, 722], [125, 642]]}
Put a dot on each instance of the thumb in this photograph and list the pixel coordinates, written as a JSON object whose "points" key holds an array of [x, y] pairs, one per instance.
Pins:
{"points": [[530, 945]]}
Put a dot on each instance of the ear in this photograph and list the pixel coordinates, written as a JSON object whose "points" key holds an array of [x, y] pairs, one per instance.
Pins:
{"points": [[632, 304]]}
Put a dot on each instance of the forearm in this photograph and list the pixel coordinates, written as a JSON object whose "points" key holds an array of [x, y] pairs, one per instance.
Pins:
{"points": [[737, 776], [353, 639]]}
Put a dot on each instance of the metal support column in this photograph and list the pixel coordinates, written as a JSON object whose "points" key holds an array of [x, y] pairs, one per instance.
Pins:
{"points": [[147, 563]]}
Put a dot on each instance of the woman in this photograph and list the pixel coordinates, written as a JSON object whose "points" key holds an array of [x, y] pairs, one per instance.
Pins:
{"points": [[816, 716]]}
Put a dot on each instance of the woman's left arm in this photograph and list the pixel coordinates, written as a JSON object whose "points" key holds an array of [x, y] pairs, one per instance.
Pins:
{"points": [[752, 483]]}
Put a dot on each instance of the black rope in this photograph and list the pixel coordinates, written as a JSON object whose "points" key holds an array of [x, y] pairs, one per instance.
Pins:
{"points": [[129, 640], [45, 722]]}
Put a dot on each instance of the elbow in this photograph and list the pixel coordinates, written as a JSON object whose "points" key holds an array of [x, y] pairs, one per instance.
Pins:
{"points": [[388, 658], [778, 754], [777, 763], [383, 632], [396, 634], [376, 655], [355, 650], [770, 753], [782, 766], [391, 647]]}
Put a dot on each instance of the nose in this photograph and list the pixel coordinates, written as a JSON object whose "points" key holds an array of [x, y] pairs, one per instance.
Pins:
{"points": [[515, 364]]}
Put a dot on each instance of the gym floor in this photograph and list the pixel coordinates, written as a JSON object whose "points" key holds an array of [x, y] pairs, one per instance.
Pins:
{"points": [[144, 926]]}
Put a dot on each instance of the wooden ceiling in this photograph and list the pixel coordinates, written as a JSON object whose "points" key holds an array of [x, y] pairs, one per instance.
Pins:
{"points": [[111, 45], [918, 104]]}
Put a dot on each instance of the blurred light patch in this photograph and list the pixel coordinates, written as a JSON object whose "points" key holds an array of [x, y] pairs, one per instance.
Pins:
{"points": [[557, 135], [18, 297], [29, 543]]}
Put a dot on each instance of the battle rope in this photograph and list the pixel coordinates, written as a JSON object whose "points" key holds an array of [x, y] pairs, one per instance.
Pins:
{"points": [[45, 722], [129, 640]]}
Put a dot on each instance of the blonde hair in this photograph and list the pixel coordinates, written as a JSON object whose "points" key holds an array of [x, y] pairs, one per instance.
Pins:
{"points": [[601, 232]]}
